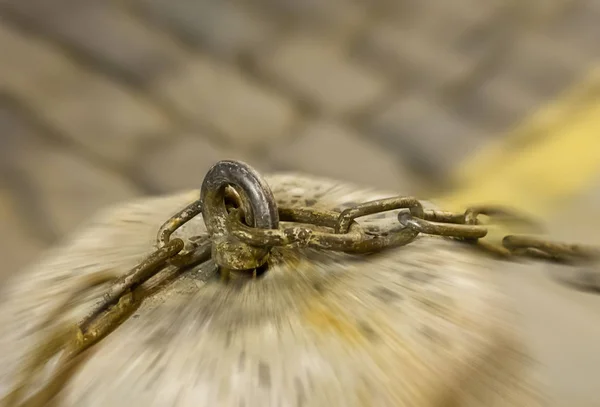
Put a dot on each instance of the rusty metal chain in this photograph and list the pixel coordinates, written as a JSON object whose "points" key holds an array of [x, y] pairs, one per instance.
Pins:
{"points": [[243, 226], [347, 236]]}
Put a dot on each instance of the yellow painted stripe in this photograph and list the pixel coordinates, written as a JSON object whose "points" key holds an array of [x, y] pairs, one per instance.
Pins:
{"points": [[542, 164]]}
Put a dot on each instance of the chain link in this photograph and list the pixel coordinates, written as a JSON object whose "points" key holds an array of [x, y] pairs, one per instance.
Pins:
{"points": [[347, 236], [314, 228], [125, 293]]}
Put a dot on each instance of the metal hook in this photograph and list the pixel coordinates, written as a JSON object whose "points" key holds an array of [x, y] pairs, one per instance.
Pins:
{"points": [[227, 251]]}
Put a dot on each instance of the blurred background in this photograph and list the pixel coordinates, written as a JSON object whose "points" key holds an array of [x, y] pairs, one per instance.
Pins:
{"points": [[103, 101]]}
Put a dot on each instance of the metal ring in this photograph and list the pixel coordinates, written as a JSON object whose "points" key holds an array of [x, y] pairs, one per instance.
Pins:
{"points": [[227, 251]]}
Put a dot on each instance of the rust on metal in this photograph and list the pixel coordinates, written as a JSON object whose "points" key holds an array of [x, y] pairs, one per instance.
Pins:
{"points": [[227, 251]]}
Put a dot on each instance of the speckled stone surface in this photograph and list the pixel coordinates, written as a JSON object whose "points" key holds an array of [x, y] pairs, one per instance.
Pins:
{"points": [[423, 324]]}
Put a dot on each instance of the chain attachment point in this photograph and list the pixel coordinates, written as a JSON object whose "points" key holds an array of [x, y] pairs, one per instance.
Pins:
{"points": [[227, 251]]}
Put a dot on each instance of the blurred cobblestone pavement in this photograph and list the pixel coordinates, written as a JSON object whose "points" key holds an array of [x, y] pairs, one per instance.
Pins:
{"points": [[101, 101]]}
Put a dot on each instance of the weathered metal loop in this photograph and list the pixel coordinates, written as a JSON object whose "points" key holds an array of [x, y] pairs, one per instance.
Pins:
{"points": [[502, 214], [533, 246], [227, 251], [380, 242], [176, 221], [441, 229], [137, 276], [498, 215], [378, 206], [444, 217]]}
